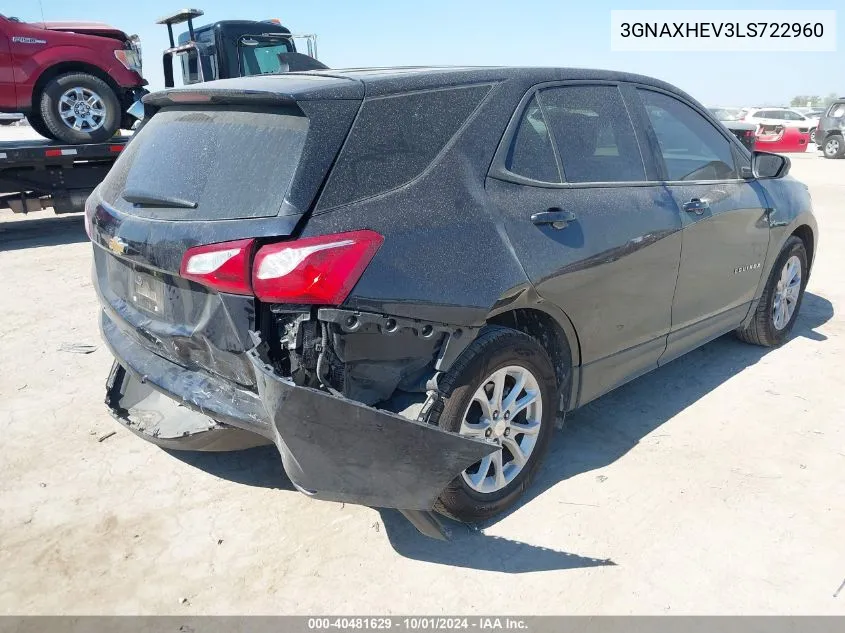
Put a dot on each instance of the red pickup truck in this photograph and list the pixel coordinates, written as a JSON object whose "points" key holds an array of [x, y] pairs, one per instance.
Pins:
{"points": [[72, 80]]}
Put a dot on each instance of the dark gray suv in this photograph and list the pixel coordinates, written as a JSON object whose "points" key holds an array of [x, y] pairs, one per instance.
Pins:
{"points": [[831, 130], [402, 276]]}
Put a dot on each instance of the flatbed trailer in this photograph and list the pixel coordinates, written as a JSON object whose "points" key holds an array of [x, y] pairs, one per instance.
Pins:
{"points": [[39, 174]]}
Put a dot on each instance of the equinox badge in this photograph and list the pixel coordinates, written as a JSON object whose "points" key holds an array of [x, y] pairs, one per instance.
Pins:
{"points": [[745, 269]]}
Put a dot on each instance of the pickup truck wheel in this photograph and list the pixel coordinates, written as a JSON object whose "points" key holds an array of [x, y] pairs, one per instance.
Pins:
{"points": [[777, 311], [80, 108], [37, 124], [834, 147], [502, 390]]}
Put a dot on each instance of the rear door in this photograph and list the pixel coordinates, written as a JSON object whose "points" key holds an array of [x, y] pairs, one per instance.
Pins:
{"points": [[594, 236], [726, 228]]}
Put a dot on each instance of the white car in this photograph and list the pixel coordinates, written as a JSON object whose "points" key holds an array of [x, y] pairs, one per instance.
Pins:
{"points": [[782, 116]]}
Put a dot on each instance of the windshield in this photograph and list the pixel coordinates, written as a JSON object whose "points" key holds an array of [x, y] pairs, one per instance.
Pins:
{"points": [[262, 58]]}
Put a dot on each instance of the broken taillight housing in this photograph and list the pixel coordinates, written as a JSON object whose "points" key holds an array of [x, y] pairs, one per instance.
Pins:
{"points": [[223, 266], [315, 270]]}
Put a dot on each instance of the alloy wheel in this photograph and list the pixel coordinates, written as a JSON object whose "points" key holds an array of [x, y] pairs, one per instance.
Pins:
{"points": [[82, 109], [787, 292], [506, 409], [831, 148]]}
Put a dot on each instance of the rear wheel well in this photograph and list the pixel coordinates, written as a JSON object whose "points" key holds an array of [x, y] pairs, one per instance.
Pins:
{"points": [[830, 134], [70, 67], [805, 234], [548, 333]]}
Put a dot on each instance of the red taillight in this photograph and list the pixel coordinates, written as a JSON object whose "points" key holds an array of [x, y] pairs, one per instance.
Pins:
{"points": [[223, 266], [314, 270]]}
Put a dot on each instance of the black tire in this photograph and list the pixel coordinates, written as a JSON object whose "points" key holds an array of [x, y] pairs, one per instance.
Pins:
{"points": [[37, 124], [494, 348], [50, 104], [813, 135], [761, 330], [834, 146]]}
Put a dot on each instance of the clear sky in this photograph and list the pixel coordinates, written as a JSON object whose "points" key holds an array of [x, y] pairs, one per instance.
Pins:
{"points": [[488, 32]]}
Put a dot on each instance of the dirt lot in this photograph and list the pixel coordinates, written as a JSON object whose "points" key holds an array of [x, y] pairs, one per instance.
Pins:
{"points": [[713, 485]]}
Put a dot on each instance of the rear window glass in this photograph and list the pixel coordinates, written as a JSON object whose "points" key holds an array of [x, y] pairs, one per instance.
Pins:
{"points": [[394, 139], [593, 134], [531, 154], [230, 163]]}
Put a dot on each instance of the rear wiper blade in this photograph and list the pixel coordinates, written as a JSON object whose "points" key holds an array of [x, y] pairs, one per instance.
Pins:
{"points": [[155, 200]]}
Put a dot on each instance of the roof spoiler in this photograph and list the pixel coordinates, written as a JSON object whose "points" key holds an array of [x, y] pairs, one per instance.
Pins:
{"points": [[217, 96]]}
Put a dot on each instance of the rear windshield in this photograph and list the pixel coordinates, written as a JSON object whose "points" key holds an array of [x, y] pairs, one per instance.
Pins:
{"points": [[222, 163]]}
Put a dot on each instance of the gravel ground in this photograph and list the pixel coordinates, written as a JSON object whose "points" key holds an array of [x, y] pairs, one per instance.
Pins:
{"points": [[713, 485]]}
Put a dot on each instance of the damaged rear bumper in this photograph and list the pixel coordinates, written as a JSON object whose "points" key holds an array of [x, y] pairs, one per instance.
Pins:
{"points": [[332, 448]]}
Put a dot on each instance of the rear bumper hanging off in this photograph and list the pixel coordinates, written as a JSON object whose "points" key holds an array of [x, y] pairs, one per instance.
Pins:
{"points": [[332, 448]]}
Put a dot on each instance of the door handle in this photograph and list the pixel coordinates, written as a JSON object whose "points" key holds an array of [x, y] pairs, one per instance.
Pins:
{"points": [[555, 216], [697, 206]]}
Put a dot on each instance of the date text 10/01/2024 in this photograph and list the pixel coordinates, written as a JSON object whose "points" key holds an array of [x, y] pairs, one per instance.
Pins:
{"points": [[417, 623]]}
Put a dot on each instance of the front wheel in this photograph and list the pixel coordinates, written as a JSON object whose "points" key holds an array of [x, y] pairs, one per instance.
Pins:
{"points": [[501, 390], [781, 299], [80, 108], [813, 135]]}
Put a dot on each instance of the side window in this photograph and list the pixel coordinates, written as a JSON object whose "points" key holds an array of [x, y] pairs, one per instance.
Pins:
{"points": [[531, 154], [395, 138], [593, 134], [760, 114], [691, 147], [837, 110]]}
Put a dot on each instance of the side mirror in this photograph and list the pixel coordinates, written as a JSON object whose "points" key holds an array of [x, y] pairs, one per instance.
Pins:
{"points": [[768, 165]]}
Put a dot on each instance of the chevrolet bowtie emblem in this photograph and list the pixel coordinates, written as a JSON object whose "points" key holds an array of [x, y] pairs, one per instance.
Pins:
{"points": [[117, 245]]}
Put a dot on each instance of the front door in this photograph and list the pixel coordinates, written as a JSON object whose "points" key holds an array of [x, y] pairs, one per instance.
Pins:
{"points": [[726, 227], [595, 237], [8, 98]]}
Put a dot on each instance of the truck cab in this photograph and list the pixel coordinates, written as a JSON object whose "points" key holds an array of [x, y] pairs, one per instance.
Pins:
{"points": [[233, 48]]}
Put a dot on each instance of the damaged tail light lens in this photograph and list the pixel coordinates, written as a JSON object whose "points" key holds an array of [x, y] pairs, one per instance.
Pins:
{"points": [[315, 270], [223, 266]]}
